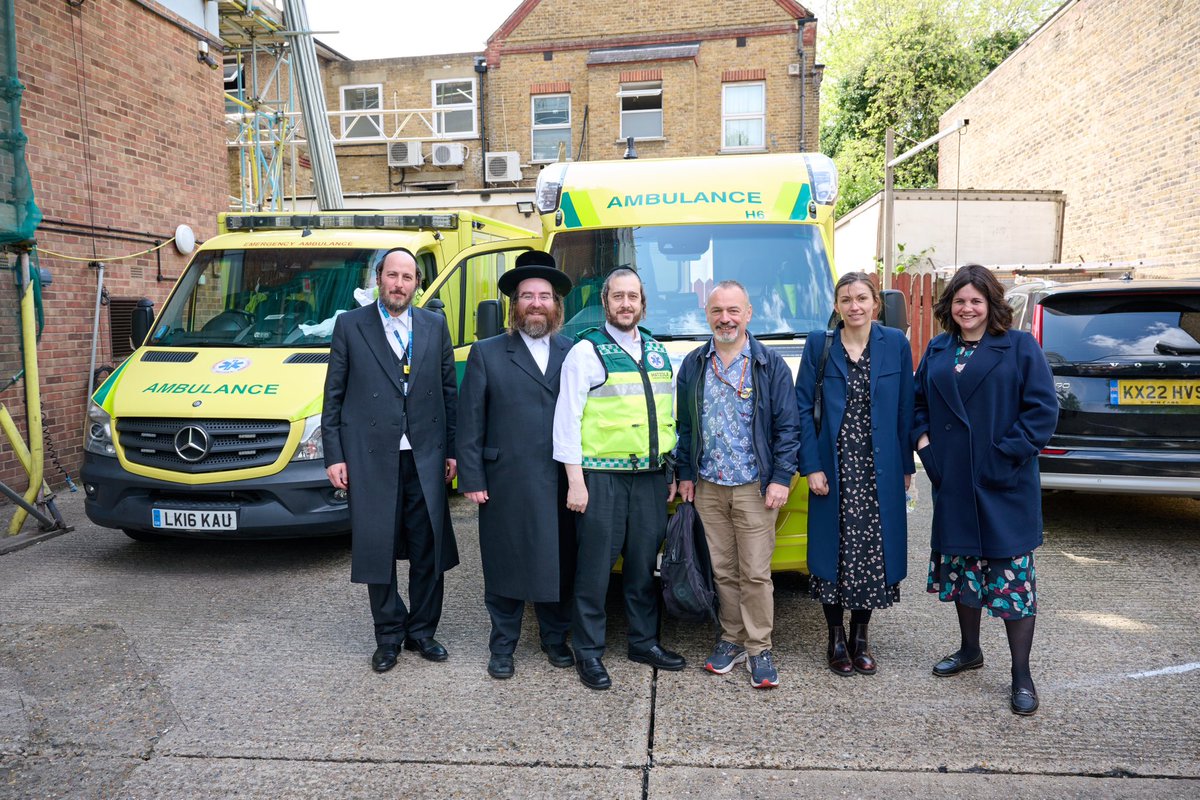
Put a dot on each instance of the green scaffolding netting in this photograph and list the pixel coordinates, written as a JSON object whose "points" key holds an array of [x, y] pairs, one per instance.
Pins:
{"points": [[19, 215]]}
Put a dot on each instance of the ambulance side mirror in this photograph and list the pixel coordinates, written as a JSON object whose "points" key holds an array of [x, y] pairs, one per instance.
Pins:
{"points": [[142, 319], [489, 319], [895, 309]]}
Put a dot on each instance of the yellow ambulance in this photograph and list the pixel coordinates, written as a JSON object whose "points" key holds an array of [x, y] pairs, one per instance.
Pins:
{"points": [[212, 427], [685, 224]]}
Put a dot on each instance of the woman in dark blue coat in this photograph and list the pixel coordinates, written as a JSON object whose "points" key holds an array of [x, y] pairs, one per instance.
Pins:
{"points": [[858, 467], [985, 407]]}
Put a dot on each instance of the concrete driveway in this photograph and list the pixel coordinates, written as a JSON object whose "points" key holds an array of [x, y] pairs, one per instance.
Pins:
{"points": [[215, 669]]}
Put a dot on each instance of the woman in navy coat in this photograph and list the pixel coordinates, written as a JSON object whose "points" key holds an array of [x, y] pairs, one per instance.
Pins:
{"points": [[857, 467], [985, 407]]}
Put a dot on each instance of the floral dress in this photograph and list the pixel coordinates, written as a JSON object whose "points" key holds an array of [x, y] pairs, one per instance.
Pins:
{"points": [[1006, 587], [862, 578]]}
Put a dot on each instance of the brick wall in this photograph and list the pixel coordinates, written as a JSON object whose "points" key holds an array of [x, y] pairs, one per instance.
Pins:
{"points": [[1102, 103], [519, 68], [151, 156]]}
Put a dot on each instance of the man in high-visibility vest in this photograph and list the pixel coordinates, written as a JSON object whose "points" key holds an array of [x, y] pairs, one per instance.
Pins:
{"points": [[613, 429]]}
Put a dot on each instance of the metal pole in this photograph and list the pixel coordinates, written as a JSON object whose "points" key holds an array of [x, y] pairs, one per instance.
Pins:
{"points": [[889, 193], [312, 104], [95, 333], [47, 523], [889, 207]]}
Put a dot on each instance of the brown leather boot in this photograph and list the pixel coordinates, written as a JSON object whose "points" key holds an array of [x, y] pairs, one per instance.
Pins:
{"points": [[839, 659], [860, 650]]}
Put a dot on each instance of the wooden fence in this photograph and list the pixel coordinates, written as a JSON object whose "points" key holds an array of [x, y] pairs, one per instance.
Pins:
{"points": [[921, 291]]}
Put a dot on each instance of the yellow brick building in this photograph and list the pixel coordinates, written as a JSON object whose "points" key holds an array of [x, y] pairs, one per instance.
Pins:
{"points": [[560, 78]]}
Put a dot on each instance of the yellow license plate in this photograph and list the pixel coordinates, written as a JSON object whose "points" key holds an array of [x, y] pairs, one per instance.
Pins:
{"points": [[1162, 392]]}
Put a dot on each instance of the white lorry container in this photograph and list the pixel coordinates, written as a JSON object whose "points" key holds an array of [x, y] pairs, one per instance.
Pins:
{"points": [[944, 228]]}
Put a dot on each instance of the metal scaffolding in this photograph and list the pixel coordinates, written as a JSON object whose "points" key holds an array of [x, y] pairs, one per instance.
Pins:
{"points": [[260, 103]]}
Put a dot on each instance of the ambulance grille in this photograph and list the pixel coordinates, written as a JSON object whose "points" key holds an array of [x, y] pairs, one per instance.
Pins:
{"points": [[169, 356], [307, 358], [211, 446]]}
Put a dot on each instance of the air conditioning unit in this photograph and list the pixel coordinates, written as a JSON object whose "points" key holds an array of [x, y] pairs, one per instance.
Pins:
{"points": [[404, 154], [447, 154], [502, 167]]}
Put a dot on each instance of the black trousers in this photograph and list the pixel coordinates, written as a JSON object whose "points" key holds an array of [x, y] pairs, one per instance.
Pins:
{"points": [[554, 620], [414, 535], [626, 516]]}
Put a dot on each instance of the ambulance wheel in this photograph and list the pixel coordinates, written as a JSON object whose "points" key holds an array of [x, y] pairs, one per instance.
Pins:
{"points": [[142, 536]]}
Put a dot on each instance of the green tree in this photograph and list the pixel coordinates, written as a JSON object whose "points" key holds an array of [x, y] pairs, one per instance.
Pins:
{"points": [[901, 64]]}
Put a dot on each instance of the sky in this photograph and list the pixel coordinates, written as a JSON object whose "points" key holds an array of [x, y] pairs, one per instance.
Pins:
{"points": [[378, 29]]}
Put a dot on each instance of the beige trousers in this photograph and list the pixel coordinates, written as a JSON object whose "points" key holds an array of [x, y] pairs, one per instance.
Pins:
{"points": [[740, 531]]}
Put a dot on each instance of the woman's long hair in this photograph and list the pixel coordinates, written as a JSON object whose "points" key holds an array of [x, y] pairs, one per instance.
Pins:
{"points": [[1000, 314]]}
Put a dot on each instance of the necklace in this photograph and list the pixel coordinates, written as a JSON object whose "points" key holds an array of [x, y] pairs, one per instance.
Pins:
{"points": [[742, 390]]}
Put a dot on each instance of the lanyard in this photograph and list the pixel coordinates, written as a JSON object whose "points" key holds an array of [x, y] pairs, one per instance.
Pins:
{"points": [[405, 346], [742, 390]]}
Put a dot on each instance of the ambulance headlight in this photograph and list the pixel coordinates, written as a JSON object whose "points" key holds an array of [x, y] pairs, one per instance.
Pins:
{"points": [[311, 447], [99, 433]]}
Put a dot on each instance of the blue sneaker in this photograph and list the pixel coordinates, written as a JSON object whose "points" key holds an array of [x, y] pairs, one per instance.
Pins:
{"points": [[763, 674], [724, 656]]}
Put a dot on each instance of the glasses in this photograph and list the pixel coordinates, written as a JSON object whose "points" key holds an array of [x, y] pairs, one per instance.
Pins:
{"points": [[529, 297]]}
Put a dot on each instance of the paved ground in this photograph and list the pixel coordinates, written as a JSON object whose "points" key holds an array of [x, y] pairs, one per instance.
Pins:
{"points": [[201, 669]]}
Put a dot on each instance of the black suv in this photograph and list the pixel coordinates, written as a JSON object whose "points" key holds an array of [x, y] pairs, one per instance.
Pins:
{"points": [[1126, 361]]}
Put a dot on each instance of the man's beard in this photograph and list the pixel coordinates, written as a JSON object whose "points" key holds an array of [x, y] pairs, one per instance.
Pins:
{"points": [[536, 327], [726, 336], [395, 307]]}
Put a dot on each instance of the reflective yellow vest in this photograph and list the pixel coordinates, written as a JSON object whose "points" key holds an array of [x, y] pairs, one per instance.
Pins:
{"points": [[628, 421]]}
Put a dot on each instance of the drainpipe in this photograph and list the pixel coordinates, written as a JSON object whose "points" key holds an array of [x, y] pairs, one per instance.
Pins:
{"points": [[481, 69], [800, 23]]}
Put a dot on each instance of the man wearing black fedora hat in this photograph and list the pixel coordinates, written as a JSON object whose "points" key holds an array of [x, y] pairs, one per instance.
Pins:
{"points": [[506, 465]]}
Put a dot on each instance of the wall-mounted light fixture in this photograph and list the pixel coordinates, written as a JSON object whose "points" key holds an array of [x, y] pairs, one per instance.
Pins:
{"points": [[525, 207]]}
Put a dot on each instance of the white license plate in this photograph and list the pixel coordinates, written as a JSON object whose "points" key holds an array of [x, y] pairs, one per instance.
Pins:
{"points": [[194, 520]]}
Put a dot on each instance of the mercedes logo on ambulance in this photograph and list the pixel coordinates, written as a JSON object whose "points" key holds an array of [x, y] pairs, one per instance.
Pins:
{"points": [[191, 443]]}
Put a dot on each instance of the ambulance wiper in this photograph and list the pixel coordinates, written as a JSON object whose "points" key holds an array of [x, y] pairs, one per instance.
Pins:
{"points": [[776, 335]]}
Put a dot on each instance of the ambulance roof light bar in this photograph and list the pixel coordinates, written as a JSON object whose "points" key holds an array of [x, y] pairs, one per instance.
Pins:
{"points": [[338, 220]]}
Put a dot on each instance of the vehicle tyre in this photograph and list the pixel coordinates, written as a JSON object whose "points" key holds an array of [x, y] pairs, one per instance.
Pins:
{"points": [[142, 536]]}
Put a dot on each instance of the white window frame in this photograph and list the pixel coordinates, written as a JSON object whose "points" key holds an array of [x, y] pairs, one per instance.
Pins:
{"points": [[439, 123], [642, 89], [728, 117], [348, 120], [534, 127]]}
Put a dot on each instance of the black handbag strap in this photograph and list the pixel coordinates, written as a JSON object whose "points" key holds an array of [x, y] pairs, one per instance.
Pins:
{"points": [[818, 397]]}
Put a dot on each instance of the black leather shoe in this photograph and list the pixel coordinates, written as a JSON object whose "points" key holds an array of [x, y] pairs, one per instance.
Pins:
{"points": [[837, 653], [658, 657], [592, 673], [1023, 701], [385, 657], [860, 651], [559, 655], [500, 666], [955, 663], [428, 648]]}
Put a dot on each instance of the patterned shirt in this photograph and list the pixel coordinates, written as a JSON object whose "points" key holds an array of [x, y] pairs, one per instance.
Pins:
{"points": [[726, 438]]}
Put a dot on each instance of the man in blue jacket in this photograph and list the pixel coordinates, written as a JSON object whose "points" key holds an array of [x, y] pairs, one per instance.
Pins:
{"points": [[739, 431]]}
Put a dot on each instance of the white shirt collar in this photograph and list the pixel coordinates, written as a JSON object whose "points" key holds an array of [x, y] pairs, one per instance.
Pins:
{"points": [[634, 337]]}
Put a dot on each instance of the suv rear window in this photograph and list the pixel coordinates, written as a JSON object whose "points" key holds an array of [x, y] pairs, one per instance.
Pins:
{"points": [[1083, 328]]}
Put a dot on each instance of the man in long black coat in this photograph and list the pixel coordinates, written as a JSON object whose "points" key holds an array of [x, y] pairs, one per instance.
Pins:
{"points": [[388, 429], [506, 465]]}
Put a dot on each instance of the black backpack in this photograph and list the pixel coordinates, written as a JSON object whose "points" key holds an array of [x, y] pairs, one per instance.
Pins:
{"points": [[687, 581]]}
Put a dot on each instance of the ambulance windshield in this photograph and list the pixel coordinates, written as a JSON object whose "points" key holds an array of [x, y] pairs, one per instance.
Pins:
{"points": [[268, 297], [784, 268]]}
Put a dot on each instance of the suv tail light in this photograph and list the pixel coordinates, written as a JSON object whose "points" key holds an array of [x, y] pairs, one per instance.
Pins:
{"points": [[1054, 451], [1037, 323]]}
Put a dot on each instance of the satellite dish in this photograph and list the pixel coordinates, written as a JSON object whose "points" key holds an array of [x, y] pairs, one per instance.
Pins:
{"points": [[185, 239]]}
